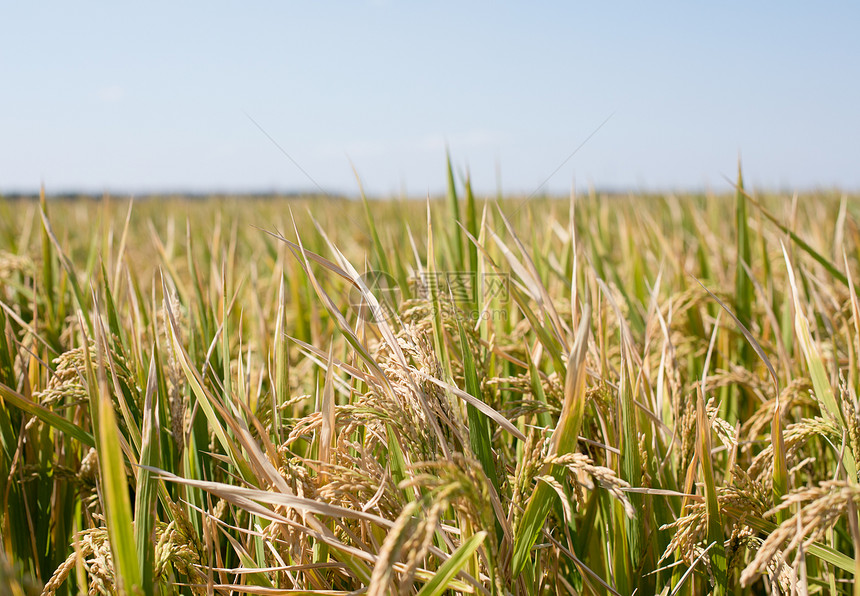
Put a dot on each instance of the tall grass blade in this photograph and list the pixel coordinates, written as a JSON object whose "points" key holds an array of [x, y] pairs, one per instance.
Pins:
{"points": [[115, 491], [455, 238], [820, 381], [804, 246], [47, 416], [145, 492], [744, 293], [450, 568], [714, 520], [564, 440], [480, 438]]}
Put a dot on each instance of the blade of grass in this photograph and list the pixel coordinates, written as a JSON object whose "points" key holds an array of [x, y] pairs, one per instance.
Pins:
{"points": [[450, 568], [379, 250], [204, 398], [69, 268], [712, 508], [456, 238], [564, 440], [281, 391], [743, 287], [47, 416], [780, 467], [820, 381], [146, 491], [115, 489], [804, 246], [479, 427]]}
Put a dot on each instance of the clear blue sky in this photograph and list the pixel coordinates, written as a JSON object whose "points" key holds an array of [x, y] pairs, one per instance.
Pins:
{"points": [[152, 96]]}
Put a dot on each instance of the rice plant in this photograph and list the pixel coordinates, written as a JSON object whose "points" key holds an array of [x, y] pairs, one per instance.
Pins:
{"points": [[589, 395]]}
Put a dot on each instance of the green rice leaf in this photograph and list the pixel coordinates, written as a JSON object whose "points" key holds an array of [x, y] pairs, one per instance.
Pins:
{"points": [[451, 567], [564, 440], [715, 524], [820, 381], [47, 416], [115, 493], [145, 493], [479, 425]]}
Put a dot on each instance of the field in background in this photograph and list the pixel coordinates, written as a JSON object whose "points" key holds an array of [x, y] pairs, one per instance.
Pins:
{"points": [[599, 396]]}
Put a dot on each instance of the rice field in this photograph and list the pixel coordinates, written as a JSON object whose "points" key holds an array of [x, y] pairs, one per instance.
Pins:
{"points": [[467, 395]]}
